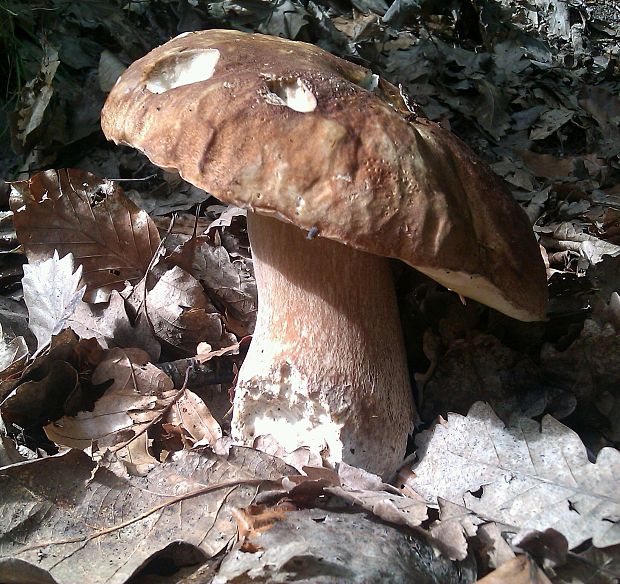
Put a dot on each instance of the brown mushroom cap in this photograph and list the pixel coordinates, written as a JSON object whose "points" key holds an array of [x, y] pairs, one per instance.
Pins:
{"points": [[287, 129]]}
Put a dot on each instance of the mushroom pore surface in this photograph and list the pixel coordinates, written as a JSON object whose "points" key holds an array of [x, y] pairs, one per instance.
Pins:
{"points": [[326, 367]]}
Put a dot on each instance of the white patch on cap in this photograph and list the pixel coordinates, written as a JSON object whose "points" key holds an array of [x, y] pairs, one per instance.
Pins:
{"points": [[182, 69], [293, 93]]}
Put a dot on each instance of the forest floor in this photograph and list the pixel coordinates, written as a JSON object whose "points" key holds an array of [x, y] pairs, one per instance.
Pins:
{"points": [[512, 474]]}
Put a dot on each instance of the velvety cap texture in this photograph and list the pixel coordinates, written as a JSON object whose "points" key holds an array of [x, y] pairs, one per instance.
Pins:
{"points": [[284, 128]]}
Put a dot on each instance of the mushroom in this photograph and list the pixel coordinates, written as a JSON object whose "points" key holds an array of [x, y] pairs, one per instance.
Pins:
{"points": [[338, 175]]}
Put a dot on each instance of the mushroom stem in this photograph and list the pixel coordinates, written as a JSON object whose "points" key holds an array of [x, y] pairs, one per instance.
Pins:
{"points": [[326, 367]]}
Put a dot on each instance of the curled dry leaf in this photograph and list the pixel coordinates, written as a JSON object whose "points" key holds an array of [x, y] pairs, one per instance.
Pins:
{"points": [[51, 294], [49, 385], [137, 398], [34, 100], [110, 325], [73, 211], [568, 237], [13, 353], [456, 524], [362, 488], [204, 351], [192, 417], [226, 218], [528, 475], [230, 281], [299, 458], [495, 550], [181, 313]]}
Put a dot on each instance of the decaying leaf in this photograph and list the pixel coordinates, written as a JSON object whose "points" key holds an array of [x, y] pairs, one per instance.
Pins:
{"points": [[181, 313], [519, 570], [456, 524], [79, 522], [361, 488], [50, 385], [51, 294], [230, 281], [34, 100], [528, 475], [72, 211], [13, 351], [193, 419], [138, 397], [109, 323]]}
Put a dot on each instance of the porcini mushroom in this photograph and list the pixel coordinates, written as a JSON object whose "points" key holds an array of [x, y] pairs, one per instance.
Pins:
{"points": [[338, 176]]}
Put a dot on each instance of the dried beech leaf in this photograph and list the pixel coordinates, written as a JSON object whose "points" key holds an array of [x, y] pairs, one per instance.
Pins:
{"points": [[230, 281], [361, 488], [456, 524], [13, 351], [519, 570], [81, 523], [388, 506], [51, 294], [181, 313], [73, 211], [528, 475], [192, 415], [138, 396], [34, 99], [110, 325], [494, 545]]}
